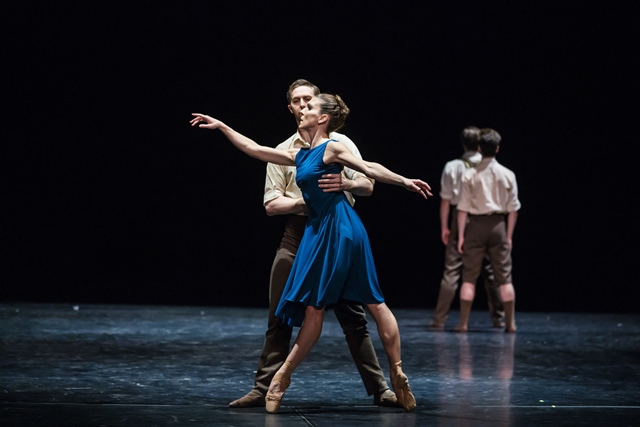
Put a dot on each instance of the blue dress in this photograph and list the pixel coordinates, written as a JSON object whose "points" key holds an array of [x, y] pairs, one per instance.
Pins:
{"points": [[334, 261]]}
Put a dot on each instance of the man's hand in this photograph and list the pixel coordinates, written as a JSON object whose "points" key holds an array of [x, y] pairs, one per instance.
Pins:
{"points": [[444, 235], [332, 182]]}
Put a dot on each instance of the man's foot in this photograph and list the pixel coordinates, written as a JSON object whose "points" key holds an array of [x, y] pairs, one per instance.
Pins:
{"points": [[436, 325], [253, 399], [387, 398], [498, 323], [461, 328]]}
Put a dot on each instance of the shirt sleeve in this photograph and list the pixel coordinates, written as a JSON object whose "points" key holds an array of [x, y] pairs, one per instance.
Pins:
{"points": [[513, 204], [446, 183], [275, 184], [465, 193]]}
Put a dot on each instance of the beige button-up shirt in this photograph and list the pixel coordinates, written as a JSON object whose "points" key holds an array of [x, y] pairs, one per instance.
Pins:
{"points": [[281, 180], [489, 188], [451, 179]]}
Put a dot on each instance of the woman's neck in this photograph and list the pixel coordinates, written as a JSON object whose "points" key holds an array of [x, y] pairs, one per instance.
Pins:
{"points": [[317, 137]]}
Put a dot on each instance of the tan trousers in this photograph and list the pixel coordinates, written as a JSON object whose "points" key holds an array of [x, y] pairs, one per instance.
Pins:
{"points": [[451, 279]]}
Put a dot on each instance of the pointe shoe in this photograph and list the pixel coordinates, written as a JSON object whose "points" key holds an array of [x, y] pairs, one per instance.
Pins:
{"points": [[400, 384], [273, 400]]}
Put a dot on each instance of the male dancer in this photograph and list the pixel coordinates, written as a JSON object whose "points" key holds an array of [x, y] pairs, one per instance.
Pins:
{"points": [[450, 189], [283, 197], [487, 215]]}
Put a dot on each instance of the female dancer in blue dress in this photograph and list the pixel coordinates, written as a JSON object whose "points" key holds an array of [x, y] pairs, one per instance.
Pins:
{"points": [[334, 261]]}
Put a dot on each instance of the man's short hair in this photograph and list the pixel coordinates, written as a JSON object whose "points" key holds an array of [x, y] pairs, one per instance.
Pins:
{"points": [[489, 140], [469, 138], [298, 83]]}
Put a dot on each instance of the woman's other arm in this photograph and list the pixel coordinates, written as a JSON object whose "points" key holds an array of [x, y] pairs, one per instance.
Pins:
{"points": [[338, 153]]}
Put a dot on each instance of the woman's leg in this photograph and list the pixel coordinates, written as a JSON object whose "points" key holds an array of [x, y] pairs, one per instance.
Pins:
{"points": [[390, 337], [307, 336], [306, 339], [388, 331]]}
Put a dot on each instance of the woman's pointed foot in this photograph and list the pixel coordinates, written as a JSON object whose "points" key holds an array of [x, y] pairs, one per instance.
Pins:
{"points": [[400, 384], [277, 388]]}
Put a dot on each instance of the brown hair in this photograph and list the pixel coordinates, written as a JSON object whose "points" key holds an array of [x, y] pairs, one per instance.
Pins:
{"points": [[489, 140], [337, 110], [469, 138], [298, 83]]}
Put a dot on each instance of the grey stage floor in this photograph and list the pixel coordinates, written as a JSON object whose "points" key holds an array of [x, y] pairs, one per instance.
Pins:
{"points": [[107, 365]]}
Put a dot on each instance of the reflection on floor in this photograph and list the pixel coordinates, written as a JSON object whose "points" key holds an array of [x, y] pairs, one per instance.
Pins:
{"points": [[107, 365]]}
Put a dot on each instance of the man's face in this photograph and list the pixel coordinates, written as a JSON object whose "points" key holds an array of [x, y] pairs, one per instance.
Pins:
{"points": [[299, 98]]}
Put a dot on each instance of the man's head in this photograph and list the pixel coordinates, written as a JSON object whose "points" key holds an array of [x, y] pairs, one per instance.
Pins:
{"points": [[489, 142], [469, 138], [300, 92]]}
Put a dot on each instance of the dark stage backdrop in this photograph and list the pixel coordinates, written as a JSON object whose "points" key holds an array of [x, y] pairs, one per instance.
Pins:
{"points": [[108, 195]]}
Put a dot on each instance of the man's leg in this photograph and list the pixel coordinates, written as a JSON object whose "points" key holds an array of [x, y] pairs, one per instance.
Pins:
{"points": [[499, 253], [508, 294], [496, 310], [448, 284], [472, 258], [450, 276], [467, 294], [353, 320], [278, 336]]}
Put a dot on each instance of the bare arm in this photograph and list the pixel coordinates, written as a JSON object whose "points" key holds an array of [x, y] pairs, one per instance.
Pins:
{"points": [[360, 186], [338, 153], [445, 208], [511, 226], [244, 144], [462, 223]]}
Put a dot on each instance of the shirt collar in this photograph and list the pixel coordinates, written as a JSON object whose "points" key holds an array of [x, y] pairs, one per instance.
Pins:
{"points": [[299, 142], [472, 157]]}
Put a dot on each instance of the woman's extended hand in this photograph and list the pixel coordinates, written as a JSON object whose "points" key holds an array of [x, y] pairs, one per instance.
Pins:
{"points": [[204, 121], [418, 186]]}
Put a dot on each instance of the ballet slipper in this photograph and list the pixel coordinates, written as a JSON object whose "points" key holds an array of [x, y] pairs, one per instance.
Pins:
{"points": [[400, 384], [277, 388]]}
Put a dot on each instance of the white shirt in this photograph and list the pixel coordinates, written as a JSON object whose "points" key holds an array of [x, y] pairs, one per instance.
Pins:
{"points": [[281, 180], [451, 179], [489, 188]]}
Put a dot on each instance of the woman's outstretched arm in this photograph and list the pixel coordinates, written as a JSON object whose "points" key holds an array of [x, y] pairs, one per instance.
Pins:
{"points": [[338, 153], [244, 144]]}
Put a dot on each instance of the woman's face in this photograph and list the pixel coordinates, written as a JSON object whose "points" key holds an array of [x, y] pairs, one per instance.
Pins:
{"points": [[310, 114]]}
